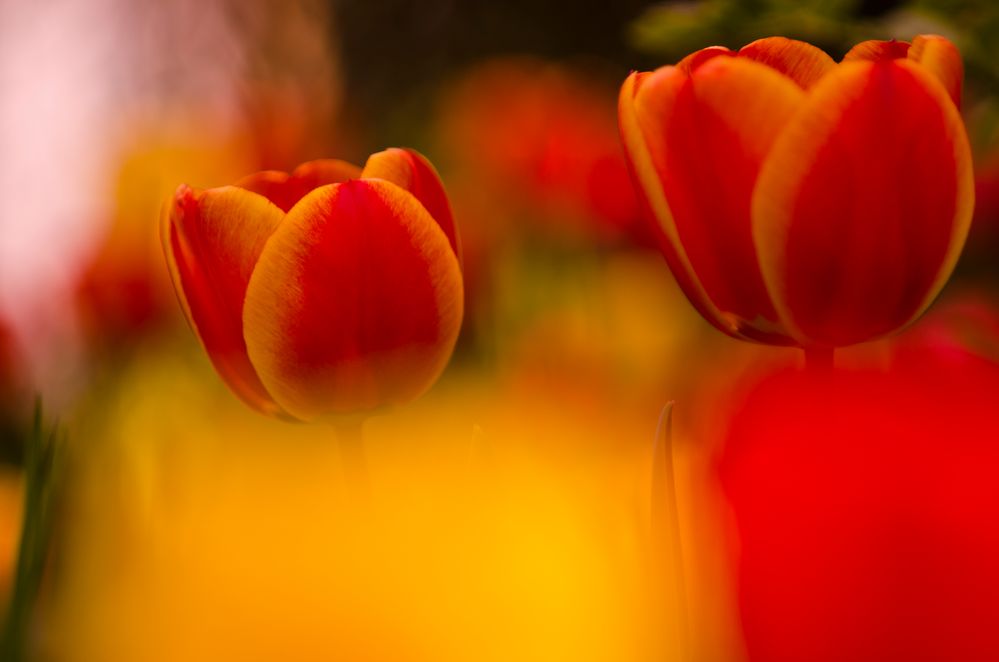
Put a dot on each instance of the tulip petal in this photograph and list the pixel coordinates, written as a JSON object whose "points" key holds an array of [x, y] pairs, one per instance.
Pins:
{"points": [[943, 60], [356, 301], [285, 190], [863, 206], [313, 174], [212, 240], [665, 81], [411, 171], [875, 50], [937, 54], [798, 60], [707, 136], [693, 62]]}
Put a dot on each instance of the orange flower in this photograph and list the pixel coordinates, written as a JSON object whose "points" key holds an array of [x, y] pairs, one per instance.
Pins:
{"points": [[330, 291], [805, 202]]}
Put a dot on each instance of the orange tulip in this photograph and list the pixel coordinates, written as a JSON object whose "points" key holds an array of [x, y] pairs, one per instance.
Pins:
{"points": [[328, 292], [805, 202]]}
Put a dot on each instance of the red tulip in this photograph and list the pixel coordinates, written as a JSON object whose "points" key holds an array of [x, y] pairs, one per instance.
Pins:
{"points": [[326, 292], [805, 202], [866, 506]]}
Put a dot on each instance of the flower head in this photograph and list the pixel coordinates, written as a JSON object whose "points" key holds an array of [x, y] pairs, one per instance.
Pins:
{"points": [[329, 291], [805, 202]]}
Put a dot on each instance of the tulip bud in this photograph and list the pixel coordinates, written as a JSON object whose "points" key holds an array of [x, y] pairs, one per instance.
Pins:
{"points": [[804, 202], [327, 292]]}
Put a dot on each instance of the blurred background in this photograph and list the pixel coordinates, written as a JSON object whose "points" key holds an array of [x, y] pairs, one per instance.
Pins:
{"points": [[511, 507]]}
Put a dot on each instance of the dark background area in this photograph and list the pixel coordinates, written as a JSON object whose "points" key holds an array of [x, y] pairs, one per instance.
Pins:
{"points": [[399, 46]]}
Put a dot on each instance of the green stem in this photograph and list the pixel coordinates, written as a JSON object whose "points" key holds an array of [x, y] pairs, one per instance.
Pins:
{"points": [[36, 533]]}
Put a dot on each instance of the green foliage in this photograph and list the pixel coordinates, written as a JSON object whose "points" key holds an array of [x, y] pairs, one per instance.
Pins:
{"points": [[673, 29], [42, 473], [676, 28]]}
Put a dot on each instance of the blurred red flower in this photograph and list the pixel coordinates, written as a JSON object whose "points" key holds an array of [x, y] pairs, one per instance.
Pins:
{"points": [[120, 295], [964, 327], [545, 135], [866, 508]]}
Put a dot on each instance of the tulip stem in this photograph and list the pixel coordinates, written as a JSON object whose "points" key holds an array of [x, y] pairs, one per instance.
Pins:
{"points": [[353, 460], [819, 360]]}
